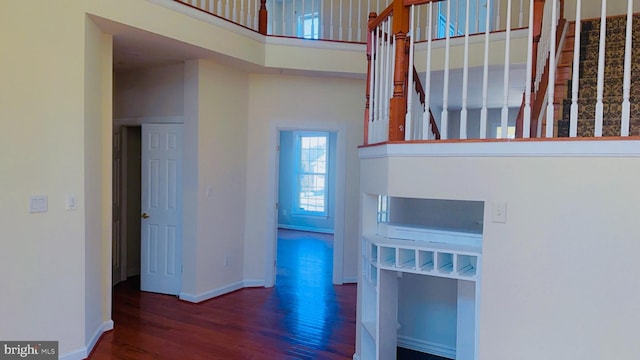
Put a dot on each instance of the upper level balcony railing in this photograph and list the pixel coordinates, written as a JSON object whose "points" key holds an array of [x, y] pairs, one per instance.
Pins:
{"points": [[474, 69], [346, 20]]}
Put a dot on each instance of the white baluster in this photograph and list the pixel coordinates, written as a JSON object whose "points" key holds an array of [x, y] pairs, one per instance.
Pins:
{"points": [[573, 117], [227, 13], [465, 76], [408, 126], [526, 118], [284, 22], [504, 119], [626, 87], [485, 75], [340, 19], [235, 11], [219, 8], [444, 118], [294, 23], [243, 20], [498, 8], [426, 119], [389, 72], [331, 21], [210, 7], [601, 50], [350, 32], [552, 70], [321, 20], [360, 20], [416, 31]]}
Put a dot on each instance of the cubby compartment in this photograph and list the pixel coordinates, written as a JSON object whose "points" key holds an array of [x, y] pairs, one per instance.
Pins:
{"points": [[373, 275], [387, 256], [467, 265], [407, 258], [373, 255], [445, 263], [425, 260]]}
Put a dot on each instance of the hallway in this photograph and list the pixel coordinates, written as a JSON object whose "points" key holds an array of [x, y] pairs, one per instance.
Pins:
{"points": [[302, 317]]}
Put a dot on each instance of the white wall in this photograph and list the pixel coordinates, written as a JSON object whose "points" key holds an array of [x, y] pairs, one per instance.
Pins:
{"points": [[559, 279], [215, 173], [149, 92], [277, 101], [54, 107], [97, 182]]}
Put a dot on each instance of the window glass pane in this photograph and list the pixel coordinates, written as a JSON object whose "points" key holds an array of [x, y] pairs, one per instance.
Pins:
{"points": [[311, 182]]}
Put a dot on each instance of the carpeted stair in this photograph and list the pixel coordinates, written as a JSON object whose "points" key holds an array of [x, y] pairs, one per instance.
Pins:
{"points": [[613, 79]]}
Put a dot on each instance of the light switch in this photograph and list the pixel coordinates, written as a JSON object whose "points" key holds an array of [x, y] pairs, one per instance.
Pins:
{"points": [[499, 212], [71, 202], [38, 204]]}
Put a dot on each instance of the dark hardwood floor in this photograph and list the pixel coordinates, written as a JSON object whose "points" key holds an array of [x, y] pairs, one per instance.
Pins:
{"points": [[302, 317]]}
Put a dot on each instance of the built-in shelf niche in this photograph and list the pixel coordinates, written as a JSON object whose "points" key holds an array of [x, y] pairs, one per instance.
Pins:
{"points": [[439, 241]]}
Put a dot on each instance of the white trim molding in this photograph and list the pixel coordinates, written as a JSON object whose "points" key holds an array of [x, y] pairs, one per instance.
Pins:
{"points": [[196, 298], [506, 148], [84, 352]]}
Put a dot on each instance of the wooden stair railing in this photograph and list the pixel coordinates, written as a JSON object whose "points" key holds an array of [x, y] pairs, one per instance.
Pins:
{"points": [[423, 96], [538, 97]]}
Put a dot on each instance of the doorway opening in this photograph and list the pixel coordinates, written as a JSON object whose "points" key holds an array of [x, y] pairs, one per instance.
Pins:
{"points": [[147, 210], [127, 142], [307, 169]]}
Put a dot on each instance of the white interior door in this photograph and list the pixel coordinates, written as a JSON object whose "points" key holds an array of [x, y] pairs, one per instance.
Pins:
{"points": [[161, 228]]}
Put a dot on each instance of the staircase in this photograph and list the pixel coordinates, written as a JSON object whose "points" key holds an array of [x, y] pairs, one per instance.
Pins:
{"points": [[613, 80]]}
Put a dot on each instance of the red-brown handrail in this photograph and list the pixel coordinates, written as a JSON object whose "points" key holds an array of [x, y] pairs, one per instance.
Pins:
{"points": [[423, 97]]}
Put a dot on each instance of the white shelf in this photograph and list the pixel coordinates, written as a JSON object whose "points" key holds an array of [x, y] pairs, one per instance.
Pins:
{"points": [[427, 258]]}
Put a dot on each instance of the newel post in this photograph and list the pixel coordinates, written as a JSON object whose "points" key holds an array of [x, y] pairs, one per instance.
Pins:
{"points": [[367, 106], [262, 17], [398, 103]]}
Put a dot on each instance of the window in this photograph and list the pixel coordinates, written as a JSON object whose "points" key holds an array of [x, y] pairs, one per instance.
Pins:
{"points": [[309, 26], [312, 156]]}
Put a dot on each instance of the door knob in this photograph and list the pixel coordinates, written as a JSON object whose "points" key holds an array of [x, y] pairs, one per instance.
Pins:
{"points": [[144, 216]]}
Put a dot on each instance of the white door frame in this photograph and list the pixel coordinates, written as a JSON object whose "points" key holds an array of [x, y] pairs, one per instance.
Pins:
{"points": [[339, 204]]}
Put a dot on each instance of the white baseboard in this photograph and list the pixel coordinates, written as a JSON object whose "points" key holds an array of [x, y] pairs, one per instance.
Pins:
{"points": [[253, 283], [74, 355], [305, 228], [84, 352], [356, 357], [350, 280], [196, 298], [426, 347]]}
